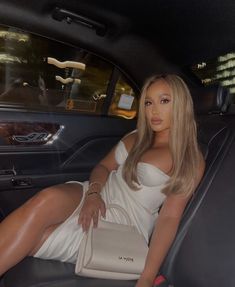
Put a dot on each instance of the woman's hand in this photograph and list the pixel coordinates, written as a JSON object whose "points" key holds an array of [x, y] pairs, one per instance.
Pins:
{"points": [[143, 282], [93, 205]]}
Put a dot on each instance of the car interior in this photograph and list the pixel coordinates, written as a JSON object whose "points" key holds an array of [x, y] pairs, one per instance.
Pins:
{"points": [[71, 76]]}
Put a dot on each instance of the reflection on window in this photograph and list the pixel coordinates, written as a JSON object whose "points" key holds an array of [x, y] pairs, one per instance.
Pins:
{"points": [[218, 70], [124, 102], [91, 92], [41, 74]]}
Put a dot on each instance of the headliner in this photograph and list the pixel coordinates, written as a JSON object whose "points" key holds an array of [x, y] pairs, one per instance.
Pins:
{"points": [[182, 32]]}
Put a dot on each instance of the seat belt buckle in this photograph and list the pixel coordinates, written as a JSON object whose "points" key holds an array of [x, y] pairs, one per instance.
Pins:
{"points": [[160, 281]]}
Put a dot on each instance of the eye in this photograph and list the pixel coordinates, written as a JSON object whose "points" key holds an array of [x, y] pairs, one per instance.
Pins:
{"points": [[147, 103], [164, 101]]}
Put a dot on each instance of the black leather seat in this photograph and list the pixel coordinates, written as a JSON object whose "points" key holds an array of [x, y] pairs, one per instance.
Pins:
{"points": [[203, 251], [37, 272]]}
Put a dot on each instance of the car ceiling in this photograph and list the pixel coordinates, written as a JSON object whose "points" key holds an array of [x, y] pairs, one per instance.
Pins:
{"points": [[143, 37]]}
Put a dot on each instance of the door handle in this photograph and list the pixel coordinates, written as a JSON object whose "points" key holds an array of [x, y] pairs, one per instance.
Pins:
{"points": [[22, 182], [32, 137]]}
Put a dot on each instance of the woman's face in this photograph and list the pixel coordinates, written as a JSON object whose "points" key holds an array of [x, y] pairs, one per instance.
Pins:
{"points": [[158, 106]]}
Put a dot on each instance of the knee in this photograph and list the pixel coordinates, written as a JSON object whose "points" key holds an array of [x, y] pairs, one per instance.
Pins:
{"points": [[42, 201], [52, 202], [46, 197], [40, 208]]}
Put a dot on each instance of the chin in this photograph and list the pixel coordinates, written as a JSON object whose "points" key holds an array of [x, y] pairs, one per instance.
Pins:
{"points": [[157, 129]]}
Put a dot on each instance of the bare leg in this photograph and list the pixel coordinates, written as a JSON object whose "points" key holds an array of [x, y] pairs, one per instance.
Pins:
{"points": [[25, 229]]}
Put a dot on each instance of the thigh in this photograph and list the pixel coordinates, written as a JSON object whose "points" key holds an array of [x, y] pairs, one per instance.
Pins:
{"points": [[47, 232], [61, 200], [56, 203]]}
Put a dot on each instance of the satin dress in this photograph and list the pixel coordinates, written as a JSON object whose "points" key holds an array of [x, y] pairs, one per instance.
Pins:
{"points": [[141, 205]]}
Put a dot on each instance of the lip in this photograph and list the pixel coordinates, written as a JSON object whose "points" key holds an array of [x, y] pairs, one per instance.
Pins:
{"points": [[156, 121]]}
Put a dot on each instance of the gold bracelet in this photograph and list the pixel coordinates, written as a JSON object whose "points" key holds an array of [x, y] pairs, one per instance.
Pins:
{"points": [[95, 182], [93, 192]]}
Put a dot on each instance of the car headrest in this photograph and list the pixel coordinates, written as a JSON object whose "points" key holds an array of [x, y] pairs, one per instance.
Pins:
{"points": [[210, 100]]}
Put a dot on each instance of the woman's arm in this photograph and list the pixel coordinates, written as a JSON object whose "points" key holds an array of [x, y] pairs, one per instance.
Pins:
{"points": [[93, 203], [101, 172], [164, 233], [99, 175]]}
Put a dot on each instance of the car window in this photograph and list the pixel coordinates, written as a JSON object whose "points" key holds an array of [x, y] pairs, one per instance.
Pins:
{"points": [[217, 70], [41, 74], [124, 101]]}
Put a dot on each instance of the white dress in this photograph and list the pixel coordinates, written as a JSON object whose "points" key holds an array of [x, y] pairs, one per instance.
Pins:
{"points": [[142, 206]]}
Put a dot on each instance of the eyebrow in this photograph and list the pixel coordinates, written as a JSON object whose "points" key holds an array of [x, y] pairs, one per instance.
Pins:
{"points": [[165, 94], [160, 95]]}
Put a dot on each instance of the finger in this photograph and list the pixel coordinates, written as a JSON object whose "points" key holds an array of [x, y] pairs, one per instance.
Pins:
{"points": [[81, 215], [86, 223], [80, 219], [95, 219], [103, 210]]}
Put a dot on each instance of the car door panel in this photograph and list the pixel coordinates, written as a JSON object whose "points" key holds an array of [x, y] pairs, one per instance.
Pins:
{"points": [[30, 165]]}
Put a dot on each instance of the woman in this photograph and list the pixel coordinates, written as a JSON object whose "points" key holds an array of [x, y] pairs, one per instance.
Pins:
{"points": [[160, 163]]}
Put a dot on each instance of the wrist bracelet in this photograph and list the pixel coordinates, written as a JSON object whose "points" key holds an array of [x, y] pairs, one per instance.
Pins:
{"points": [[93, 192], [95, 182]]}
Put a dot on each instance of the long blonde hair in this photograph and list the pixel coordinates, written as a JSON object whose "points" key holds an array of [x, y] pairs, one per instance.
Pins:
{"points": [[183, 143]]}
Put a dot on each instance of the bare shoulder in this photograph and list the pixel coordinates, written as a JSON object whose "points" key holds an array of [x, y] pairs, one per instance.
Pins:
{"points": [[129, 140]]}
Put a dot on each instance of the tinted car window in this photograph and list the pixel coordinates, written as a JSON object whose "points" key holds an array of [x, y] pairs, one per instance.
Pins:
{"points": [[217, 70], [38, 73], [124, 102]]}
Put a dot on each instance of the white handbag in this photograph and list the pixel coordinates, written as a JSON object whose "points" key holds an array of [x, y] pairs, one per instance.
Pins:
{"points": [[112, 251]]}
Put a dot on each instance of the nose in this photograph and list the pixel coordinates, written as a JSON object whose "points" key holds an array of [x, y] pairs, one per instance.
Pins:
{"points": [[155, 110]]}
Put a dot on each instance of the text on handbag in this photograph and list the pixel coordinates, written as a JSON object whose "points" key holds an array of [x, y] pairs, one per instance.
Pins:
{"points": [[127, 259]]}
